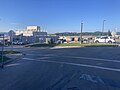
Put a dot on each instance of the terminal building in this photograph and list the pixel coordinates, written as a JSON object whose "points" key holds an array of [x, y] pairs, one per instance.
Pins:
{"points": [[31, 31], [33, 34]]}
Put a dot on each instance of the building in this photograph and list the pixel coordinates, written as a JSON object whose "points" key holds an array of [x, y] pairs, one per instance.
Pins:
{"points": [[77, 38], [33, 28], [31, 31], [33, 34], [6, 38], [11, 35]]}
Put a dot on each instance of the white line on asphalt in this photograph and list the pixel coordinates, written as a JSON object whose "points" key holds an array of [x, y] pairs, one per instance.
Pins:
{"points": [[75, 64], [44, 57], [96, 59], [41, 54], [10, 65], [28, 58]]}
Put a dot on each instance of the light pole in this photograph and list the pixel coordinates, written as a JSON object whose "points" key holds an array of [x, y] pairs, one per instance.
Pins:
{"points": [[12, 41], [81, 30], [103, 27], [2, 64]]}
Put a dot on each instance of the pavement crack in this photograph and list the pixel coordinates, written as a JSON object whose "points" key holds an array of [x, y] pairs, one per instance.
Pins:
{"points": [[63, 81]]}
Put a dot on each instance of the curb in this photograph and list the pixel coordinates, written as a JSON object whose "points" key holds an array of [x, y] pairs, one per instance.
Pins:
{"points": [[67, 47]]}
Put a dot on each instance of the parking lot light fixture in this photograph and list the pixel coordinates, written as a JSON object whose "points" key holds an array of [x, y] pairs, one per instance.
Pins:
{"points": [[2, 63], [12, 41], [103, 27], [81, 32]]}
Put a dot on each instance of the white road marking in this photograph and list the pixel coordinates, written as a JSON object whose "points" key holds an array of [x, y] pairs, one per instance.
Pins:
{"points": [[75, 64], [41, 54], [37, 58], [95, 59], [10, 65], [55, 48], [44, 57], [92, 78], [28, 58], [49, 55]]}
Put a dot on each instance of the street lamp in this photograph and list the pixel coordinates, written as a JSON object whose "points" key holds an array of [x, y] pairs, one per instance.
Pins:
{"points": [[103, 26], [12, 41], [81, 32], [2, 64]]}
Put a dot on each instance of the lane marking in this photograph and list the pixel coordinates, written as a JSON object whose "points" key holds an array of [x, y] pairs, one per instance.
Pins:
{"points": [[41, 54], [28, 58], [75, 64], [44, 57], [95, 59], [10, 65]]}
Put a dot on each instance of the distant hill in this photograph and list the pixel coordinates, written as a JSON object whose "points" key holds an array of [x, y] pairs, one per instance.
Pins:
{"points": [[84, 33], [5, 33], [118, 33]]}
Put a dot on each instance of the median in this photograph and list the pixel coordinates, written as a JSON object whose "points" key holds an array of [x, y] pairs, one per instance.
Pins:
{"points": [[72, 45], [40, 45], [77, 45]]}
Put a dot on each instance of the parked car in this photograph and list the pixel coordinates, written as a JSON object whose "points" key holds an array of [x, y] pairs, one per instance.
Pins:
{"points": [[59, 41], [104, 39], [84, 40], [20, 43], [17, 43]]}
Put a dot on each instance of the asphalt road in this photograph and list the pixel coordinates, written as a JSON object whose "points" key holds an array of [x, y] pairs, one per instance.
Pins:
{"points": [[88, 68]]}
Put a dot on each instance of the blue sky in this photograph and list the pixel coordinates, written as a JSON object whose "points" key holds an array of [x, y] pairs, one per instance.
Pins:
{"points": [[60, 15]]}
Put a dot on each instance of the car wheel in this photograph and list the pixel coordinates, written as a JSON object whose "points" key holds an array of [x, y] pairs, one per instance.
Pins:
{"points": [[109, 41], [97, 41]]}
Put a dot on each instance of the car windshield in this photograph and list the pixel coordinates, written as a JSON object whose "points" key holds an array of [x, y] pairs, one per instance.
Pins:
{"points": [[97, 37], [59, 44]]}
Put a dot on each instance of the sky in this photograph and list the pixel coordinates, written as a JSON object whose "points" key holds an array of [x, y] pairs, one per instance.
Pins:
{"points": [[60, 15]]}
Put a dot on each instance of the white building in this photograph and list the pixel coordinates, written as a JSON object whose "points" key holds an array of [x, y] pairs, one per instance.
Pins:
{"points": [[33, 34], [24, 32], [30, 30], [33, 28]]}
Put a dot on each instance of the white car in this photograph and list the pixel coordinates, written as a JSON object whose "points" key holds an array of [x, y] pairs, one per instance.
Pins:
{"points": [[15, 43], [104, 39], [20, 43]]}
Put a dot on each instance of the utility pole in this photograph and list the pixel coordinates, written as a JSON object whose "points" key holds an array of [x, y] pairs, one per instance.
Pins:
{"points": [[81, 32], [2, 52], [12, 41], [103, 26]]}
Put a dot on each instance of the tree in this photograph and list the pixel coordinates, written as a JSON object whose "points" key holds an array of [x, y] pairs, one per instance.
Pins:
{"points": [[109, 33]]}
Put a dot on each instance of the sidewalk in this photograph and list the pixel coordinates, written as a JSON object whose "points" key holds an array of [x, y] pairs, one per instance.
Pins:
{"points": [[66, 47]]}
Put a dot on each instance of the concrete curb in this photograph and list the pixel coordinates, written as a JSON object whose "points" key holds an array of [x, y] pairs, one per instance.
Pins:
{"points": [[58, 47], [67, 47]]}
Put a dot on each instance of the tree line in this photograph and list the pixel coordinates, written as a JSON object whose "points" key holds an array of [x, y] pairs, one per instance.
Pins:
{"points": [[97, 33]]}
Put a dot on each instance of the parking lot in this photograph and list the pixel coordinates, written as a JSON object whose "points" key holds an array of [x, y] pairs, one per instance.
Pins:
{"points": [[86, 68]]}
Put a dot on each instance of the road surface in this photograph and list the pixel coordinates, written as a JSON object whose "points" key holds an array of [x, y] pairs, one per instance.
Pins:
{"points": [[87, 68]]}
